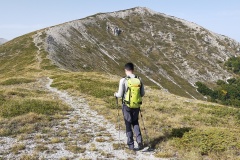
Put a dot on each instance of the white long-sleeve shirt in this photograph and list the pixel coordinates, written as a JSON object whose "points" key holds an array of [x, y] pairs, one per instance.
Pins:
{"points": [[123, 87]]}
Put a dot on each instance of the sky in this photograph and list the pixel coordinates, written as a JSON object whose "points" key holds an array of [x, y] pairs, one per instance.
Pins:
{"points": [[18, 17]]}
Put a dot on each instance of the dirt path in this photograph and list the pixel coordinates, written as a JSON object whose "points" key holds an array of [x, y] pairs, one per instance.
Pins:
{"points": [[103, 134], [37, 41], [80, 134]]}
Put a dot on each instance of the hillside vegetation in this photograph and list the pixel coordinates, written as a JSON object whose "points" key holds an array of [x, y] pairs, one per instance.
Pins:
{"points": [[88, 63], [177, 126], [24, 106], [228, 92], [168, 52]]}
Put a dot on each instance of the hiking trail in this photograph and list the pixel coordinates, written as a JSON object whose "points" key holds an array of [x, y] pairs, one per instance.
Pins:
{"points": [[81, 130], [97, 126], [37, 41]]}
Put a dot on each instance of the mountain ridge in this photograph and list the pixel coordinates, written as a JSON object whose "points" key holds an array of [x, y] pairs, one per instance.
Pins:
{"points": [[90, 35], [169, 52]]}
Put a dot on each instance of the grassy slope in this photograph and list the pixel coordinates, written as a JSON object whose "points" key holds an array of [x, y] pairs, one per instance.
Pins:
{"points": [[133, 42], [24, 106], [192, 129]]}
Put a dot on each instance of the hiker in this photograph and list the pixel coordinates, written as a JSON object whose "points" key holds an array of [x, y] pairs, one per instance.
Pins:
{"points": [[131, 90]]}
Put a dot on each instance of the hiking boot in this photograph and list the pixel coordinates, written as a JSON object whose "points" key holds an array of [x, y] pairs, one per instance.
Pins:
{"points": [[140, 146]]}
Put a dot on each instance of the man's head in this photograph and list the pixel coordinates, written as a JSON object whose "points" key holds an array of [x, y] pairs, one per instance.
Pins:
{"points": [[129, 68]]}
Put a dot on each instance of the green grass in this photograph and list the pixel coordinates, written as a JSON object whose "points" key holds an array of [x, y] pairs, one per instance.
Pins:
{"points": [[46, 63], [98, 86], [14, 81], [27, 123], [19, 56], [192, 129], [20, 107], [24, 109], [209, 140], [2, 99]]}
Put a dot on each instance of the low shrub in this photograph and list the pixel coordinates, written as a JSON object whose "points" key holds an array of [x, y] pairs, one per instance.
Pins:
{"points": [[14, 81], [209, 140], [19, 107]]}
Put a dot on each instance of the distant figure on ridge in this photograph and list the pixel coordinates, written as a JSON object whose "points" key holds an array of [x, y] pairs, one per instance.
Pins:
{"points": [[131, 90]]}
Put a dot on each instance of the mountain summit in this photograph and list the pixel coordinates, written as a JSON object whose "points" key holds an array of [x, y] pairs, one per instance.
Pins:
{"points": [[170, 52]]}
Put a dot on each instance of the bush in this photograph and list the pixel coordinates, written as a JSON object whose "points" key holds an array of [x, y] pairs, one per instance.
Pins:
{"points": [[220, 82], [203, 89], [209, 140], [225, 93], [233, 64]]}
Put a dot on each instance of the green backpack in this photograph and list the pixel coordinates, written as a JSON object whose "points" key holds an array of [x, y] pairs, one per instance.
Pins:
{"points": [[133, 97]]}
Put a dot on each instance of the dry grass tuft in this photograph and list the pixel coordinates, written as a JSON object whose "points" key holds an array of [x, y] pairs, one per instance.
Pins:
{"points": [[41, 148], [165, 154], [101, 139], [75, 149], [18, 147], [118, 146], [63, 133], [106, 155], [22, 124], [85, 138], [29, 157], [93, 147], [55, 140]]}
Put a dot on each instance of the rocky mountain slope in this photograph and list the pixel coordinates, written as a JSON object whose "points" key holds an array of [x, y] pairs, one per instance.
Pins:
{"points": [[168, 52], [2, 40], [52, 111]]}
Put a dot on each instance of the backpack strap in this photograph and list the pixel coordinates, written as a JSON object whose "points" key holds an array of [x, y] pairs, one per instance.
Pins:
{"points": [[126, 80]]}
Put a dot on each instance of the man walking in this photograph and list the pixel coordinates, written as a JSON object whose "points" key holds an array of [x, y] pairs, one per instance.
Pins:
{"points": [[131, 90]]}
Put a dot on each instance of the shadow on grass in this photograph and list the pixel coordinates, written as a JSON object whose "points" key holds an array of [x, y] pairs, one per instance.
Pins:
{"points": [[175, 133]]}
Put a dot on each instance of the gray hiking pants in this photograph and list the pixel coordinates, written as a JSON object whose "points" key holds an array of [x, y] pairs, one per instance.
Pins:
{"points": [[131, 121]]}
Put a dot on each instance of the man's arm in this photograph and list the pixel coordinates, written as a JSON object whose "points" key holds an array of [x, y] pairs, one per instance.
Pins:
{"points": [[121, 89]]}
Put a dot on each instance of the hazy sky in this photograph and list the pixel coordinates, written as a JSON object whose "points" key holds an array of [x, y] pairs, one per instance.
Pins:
{"points": [[18, 17]]}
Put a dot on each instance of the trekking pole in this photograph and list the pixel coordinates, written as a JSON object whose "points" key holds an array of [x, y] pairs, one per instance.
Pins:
{"points": [[145, 129], [118, 119]]}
